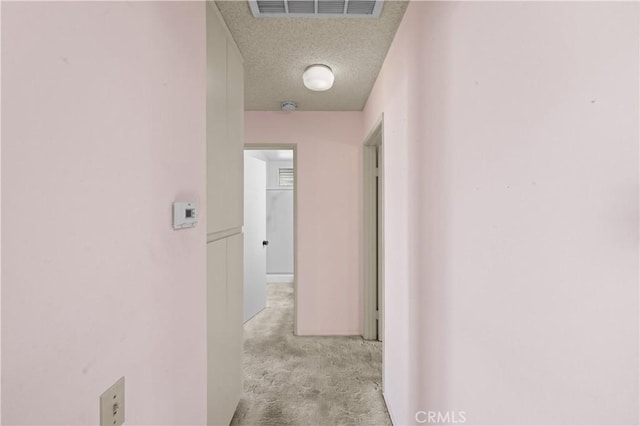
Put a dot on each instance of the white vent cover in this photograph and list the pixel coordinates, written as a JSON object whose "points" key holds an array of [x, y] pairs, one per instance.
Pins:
{"points": [[285, 177], [316, 8]]}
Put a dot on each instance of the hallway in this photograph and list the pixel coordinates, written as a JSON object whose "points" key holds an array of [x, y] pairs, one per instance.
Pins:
{"points": [[291, 380], [507, 200]]}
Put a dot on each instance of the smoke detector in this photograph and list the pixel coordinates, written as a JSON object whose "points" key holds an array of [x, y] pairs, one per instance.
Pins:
{"points": [[316, 8], [288, 106]]}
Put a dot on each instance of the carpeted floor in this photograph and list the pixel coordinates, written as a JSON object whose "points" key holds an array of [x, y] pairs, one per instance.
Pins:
{"points": [[306, 381]]}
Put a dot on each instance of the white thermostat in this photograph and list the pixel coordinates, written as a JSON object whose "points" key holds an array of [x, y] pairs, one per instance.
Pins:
{"points": [[185, 214]]}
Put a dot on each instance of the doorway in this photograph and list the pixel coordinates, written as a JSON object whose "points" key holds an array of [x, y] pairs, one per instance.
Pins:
{"points": [[373, 234], [270, 223]]}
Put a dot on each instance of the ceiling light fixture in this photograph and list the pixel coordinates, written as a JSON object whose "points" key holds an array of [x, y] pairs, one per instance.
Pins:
{"points": [[318, 77], [288, 106]]}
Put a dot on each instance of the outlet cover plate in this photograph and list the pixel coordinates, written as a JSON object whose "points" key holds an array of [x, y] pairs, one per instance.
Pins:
{"points": [[112, 405]]}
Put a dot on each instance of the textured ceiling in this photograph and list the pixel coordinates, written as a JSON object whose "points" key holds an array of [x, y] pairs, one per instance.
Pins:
{"points": [[277, 50]]}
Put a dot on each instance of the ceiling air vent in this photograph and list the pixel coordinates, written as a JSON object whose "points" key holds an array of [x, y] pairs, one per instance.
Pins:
{"points": [[316, 8]]}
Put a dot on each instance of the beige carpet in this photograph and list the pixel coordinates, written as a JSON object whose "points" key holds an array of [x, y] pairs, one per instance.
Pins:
{"points": [[306, 381]]}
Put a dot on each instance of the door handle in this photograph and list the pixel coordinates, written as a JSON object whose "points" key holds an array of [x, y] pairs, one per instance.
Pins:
{"points": [[265, 243]]}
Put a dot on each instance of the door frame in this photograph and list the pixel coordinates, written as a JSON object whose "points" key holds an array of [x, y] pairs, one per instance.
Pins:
{"points": [[373, 233], [294, 148]]}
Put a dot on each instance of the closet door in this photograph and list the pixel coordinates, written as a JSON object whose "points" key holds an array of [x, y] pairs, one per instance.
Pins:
{"points": [[221, 404], [224, 328], [235, 134], [219, 189], [235, 303], [225, 193], [225, 128]]}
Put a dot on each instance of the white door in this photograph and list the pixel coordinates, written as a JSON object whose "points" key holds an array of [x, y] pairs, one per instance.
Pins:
{"points": [[255, 232]]}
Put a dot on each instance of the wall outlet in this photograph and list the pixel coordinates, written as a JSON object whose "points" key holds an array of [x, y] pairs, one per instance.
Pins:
{"points": [[112, 405]]}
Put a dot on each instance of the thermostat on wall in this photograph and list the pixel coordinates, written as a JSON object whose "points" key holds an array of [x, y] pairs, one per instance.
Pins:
{"points": [[185, 214]]}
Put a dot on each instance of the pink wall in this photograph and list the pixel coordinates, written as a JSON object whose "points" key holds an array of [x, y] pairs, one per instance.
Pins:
{"points": [[512, 263], [104, 126], [0, 217], [329, 149]]}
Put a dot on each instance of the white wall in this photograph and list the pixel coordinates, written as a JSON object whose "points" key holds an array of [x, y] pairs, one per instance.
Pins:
{"points": [[511, 165], [103, 113], [279, 221]]}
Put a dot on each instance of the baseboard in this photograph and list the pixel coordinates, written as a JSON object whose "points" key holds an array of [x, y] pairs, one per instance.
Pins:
{"points": [[279, 278], [391, 417], [324, 333]]}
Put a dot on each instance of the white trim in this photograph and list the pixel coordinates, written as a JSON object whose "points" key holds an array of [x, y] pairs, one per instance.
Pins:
{"points": [[368, 242], [382, 286], [386, 403], [375, 137], [280, 278], [372, 241]]}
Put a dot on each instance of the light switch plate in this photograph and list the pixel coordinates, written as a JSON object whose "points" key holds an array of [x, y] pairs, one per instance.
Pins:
{"points": [[112, 405]]}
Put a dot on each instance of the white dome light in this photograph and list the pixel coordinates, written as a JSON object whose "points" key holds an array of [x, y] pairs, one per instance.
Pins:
{"points": [[318, 78]]}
